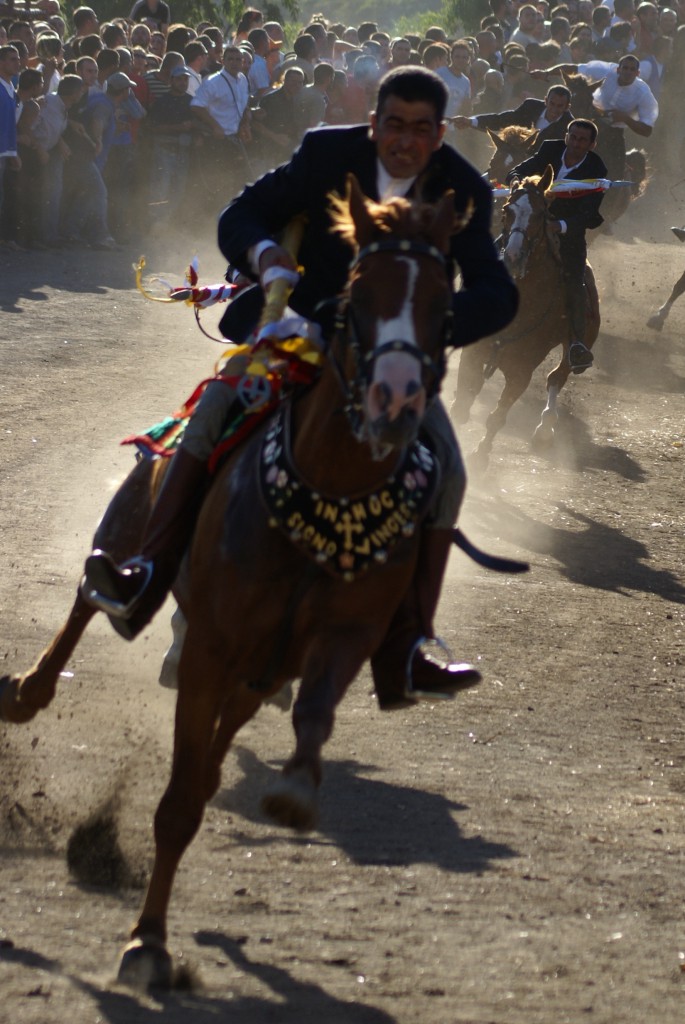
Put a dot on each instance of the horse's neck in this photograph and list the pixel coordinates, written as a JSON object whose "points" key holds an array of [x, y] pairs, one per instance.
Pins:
{"points": [[324, 449]]}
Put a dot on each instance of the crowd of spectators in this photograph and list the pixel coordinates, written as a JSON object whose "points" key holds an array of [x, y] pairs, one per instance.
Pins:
{"points": [[111, 132]]}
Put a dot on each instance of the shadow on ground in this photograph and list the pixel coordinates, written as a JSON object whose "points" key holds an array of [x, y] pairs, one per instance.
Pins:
{"points": [[373, 821]]}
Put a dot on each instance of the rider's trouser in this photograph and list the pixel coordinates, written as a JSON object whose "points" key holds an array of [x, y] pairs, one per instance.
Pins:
{"points": [[573, 254]]}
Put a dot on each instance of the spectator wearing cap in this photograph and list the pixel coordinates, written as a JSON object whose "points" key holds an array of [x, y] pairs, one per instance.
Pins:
{"points": [[171, 124], [109, 123]]}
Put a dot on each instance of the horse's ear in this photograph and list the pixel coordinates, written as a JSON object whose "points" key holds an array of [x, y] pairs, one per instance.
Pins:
{"points": [[364, 223], [594, 86], [497, 142], [547, 179], [531, 142]]}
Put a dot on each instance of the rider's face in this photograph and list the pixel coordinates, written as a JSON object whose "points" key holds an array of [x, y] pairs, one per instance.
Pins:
{"points": [[578, 143], [555, 105], [406, 135]]}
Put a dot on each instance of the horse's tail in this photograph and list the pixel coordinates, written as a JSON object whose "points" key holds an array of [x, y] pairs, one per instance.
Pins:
{"points": [[636, 170], [483, 558]]}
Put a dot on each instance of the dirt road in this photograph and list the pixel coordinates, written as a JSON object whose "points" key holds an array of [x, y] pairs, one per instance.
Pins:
{"points": [[515, 857]]}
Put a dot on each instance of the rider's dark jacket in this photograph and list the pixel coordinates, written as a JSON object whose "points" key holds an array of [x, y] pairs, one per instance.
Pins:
{"points": [[580, 213], [487, 300], [526, 115]]}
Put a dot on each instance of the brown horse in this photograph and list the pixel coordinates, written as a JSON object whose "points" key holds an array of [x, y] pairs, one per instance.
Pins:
{"points": [[539, 326], [282, 580], [513, 145]]}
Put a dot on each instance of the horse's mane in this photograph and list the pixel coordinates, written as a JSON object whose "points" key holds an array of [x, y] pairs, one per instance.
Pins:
{"points": [[515, 135], [534, 180], [397, 218]]}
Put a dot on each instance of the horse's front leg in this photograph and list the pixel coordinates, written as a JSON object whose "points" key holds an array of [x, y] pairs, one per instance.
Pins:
{"points": [[292, 800], [543, 434], [22, 697], [146, 962], [470, 380], [514, 387]]}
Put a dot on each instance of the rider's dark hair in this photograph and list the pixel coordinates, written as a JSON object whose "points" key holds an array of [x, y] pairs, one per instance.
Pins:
{"points": [[560, 90], [584, 122], [414, 85]]}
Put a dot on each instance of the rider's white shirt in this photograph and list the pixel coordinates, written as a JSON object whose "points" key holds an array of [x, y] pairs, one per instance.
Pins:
{"points": [[637, 100]]}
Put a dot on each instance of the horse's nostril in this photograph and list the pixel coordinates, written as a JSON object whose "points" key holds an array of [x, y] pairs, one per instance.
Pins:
{"points": [[383, 395]]}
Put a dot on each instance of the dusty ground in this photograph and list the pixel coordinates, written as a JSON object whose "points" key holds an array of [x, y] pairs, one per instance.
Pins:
{"points": [[515, 857]]}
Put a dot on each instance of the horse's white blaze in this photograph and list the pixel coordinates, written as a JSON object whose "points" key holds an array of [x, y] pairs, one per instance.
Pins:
{"points": [[396, 380], [522, 211]]}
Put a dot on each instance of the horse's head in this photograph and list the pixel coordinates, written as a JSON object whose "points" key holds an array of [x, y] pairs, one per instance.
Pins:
{"points": [[398, 308], [524, 218], [512, 145], [582, 93]]}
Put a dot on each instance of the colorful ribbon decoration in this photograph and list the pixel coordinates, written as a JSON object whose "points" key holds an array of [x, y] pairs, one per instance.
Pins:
{"points": [[568, 185]]}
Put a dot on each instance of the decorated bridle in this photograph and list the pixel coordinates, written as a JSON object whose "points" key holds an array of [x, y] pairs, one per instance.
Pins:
{"points": [[529, 241], [354, 387]]}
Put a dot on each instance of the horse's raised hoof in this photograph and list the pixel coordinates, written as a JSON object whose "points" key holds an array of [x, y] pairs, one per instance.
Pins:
{"points": [[479, 459], [11, 707], [146, 964], [543, 437], [292, 802], [656, 322]]}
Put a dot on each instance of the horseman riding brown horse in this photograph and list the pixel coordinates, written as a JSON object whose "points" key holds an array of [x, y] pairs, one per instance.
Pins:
{"points": [[308, 542], [540, 324]]}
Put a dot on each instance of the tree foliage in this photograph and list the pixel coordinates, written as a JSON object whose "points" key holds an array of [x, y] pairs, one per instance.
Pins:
{"points": [[466, 12]]}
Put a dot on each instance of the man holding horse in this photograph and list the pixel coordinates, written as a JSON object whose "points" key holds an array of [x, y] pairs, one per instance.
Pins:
{"points": [[401, 154], [573, 159]]}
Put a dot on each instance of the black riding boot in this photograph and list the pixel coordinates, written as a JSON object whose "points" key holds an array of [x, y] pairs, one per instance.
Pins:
{"points": [[402, 674], [132, 593]]}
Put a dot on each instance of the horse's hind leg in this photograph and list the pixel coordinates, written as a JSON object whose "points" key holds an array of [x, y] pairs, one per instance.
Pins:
{"points": [[22, 697], [119, 532]]}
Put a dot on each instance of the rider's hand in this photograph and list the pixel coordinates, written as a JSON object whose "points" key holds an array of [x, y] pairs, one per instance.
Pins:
{"points": [[275, 256], [461, 122]]}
